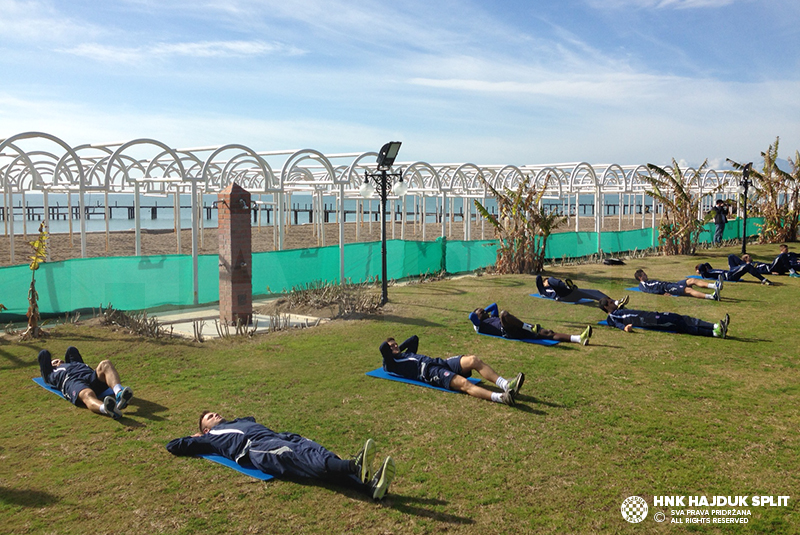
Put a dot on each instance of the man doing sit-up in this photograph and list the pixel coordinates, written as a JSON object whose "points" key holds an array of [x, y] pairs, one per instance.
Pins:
{"points": [[627, 319], [451, 374], [680, 288], [489, 321], [568, 291]]}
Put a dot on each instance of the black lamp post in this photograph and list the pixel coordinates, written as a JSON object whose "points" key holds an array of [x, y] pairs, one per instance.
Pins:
{"points": [[745, 185], [381, 178]]}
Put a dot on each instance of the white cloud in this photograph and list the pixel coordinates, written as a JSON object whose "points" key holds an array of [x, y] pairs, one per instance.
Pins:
{"points": [[659, 4], [162, 51], [39, 22]]}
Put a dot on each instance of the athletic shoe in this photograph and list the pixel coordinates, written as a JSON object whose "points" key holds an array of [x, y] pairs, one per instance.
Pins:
{"points": [[585, 335], [766, 282], [723, 325], [123, 397], [570, 284], [363, 460], [507, 397], [623, 301], [110, 404], [515, 384], [380, 483], [716, 293], [719, 283], [794, 274]]}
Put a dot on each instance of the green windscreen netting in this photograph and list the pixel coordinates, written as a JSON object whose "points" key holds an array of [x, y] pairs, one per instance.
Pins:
{"points": [[137, 283]]}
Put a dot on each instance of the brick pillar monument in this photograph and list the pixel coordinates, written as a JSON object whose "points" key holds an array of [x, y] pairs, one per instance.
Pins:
{"points": [[235, 256]]}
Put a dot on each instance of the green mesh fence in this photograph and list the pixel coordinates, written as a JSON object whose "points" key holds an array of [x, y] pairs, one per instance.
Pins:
{"points": [[136, 283]]}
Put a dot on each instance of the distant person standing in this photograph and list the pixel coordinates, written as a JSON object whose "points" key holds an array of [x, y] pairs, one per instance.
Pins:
{"points": [[720, 220]]}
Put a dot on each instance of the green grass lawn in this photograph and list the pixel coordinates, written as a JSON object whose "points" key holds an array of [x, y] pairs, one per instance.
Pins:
{"points": [[647, 414]]}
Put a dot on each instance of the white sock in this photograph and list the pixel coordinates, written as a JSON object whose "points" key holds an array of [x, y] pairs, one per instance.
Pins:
{"points": [[712, 285], [117, 389], [496, 397], [103, 410], [502, 383], [528, 327], [710, 296], [575, 338]]}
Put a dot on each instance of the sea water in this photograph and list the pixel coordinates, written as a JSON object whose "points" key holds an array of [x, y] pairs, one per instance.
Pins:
{"points": [[300, 206]]}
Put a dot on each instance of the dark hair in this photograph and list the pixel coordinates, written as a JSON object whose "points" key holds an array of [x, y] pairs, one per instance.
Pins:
{"points": [[604, 302], [720, 201], [638, 274], [200, 422], [390, 339]]}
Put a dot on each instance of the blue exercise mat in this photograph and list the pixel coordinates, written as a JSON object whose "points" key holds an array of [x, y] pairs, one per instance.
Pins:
{"points": [[581, 301], [40, 381], [538, 341], [380, 373], [605, 322], [252, 472]]}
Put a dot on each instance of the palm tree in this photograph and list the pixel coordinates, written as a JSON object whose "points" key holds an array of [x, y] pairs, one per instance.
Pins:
{"points": [[682, 220], [522, 227], [776, 196]]}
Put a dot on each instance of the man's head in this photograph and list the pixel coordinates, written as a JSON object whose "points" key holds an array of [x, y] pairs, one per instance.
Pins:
{"points": [[784, 248], [640, 275], [746, 258], [393, 345], [208, 420], [720, 202], [608, 305], [481, 313]]}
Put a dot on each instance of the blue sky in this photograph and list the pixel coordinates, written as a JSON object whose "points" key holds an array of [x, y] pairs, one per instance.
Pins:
{"points": [[522, 82]]}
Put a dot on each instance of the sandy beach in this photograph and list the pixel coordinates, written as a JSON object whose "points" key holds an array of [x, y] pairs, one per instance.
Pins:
{"points": [[165, 241]]}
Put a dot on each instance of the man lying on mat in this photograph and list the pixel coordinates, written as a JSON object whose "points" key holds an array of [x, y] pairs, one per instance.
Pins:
{"points": [[451, 373], [663, 321], [568, 291], [251, 444], [680, 288], [82, 385], [489, 321]]}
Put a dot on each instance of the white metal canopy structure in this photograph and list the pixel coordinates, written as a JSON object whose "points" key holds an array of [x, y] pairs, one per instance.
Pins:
{"points": [[37, 162]]}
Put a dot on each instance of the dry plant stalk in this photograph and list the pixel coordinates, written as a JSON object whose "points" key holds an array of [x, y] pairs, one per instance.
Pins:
{"points": [[39, 247]]}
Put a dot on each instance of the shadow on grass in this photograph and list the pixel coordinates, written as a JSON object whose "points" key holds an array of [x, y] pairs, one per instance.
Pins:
{"points": [[528, 409], [26, 497], [411, 505], [15, 362], [146, 409], [420, 322], [748, 340], [414, 506], [405, 504], [431, 289], [534, 399]]}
